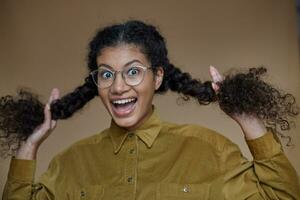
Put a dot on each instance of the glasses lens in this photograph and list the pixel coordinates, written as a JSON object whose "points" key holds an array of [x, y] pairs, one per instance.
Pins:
{"points": [[105, 77], [134, 74]]}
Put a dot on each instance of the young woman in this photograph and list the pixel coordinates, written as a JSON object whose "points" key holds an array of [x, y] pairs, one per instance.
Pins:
{"points": [[140, 156]]}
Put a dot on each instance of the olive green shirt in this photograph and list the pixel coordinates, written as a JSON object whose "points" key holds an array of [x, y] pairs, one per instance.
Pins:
{"points": [[159, 160]]}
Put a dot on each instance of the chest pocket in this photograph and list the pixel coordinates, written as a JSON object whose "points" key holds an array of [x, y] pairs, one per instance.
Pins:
{"points": [[89, 192], [175, 191]]}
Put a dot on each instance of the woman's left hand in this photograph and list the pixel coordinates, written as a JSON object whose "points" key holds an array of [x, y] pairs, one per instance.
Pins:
{"points": [[252, 126]]}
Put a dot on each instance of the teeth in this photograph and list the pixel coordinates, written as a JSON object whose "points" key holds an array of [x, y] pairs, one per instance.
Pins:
{"points": [[123, 101]]}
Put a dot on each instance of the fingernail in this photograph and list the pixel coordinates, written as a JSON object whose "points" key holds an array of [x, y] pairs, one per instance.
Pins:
{"points": [[48, 106]]}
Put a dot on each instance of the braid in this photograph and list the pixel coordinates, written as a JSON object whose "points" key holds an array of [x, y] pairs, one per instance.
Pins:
{"points": [[239, 93], [182, 82], [20, 115], [66, 106]]}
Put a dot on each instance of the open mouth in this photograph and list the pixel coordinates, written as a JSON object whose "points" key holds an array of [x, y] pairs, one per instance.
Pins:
{"points": [[123, 107]]}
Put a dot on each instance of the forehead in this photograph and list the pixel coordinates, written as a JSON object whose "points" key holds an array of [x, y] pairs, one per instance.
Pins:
{"points": [[117, 57]]}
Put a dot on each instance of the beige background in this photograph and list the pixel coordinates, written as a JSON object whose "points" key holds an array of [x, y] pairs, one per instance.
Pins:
{"points": [[43, 44]]}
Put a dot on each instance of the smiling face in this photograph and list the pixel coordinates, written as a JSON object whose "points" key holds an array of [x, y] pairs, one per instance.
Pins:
{"points": [[129, 106]]}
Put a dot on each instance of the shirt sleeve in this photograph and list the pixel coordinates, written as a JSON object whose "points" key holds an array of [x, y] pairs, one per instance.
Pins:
{"points": [[269, 176], [20, 181]]}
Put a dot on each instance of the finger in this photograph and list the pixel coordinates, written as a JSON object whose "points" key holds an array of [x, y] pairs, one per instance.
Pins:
{"points": [[47, 110], [215, 87], [220, 77], [213, 73], [55, 92], [54, 95], [53, 124], [47, 117], [217, 76]]}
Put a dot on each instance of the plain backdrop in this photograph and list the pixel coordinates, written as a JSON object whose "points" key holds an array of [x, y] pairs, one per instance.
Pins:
{"points": [[43, 44]]}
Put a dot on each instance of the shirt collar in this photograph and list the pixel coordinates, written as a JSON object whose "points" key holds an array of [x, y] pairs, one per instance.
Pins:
{"points": [[147, 132]]}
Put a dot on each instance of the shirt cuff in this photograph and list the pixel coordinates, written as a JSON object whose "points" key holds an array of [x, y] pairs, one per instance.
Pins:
{"points": [[264, 147], [22, 170]]}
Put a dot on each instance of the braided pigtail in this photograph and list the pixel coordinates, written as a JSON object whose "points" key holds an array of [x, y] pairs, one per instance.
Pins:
{"points": [[66, 106], [241, 93], [183, 83], [20, 115]]}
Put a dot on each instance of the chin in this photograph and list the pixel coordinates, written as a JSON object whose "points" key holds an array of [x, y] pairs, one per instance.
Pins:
{"points": [[125, 122]]}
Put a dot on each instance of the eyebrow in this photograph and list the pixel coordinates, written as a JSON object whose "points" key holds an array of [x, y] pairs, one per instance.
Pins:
{"points": [[128, 63]]}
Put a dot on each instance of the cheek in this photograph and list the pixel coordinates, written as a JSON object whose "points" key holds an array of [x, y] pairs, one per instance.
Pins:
{"points": [[103, 96], [146, 92]]}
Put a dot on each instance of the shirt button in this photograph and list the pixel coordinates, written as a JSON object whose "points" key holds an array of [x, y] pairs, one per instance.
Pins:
{"points": [[129, 179], [131, 151], [130, 135], [82, 194], [186, 189]]}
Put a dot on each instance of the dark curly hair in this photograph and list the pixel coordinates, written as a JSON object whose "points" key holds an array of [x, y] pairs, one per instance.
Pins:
{"points": [[239, 92]]}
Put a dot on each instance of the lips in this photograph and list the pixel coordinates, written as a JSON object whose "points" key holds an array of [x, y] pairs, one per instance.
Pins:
{"points": [[123, 107]]}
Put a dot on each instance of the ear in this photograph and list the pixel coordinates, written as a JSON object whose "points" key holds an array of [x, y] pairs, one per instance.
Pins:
{"points": [[158, 77]]}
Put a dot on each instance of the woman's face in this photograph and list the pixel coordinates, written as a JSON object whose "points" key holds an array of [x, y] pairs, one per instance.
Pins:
{"points": [[136, 104]]}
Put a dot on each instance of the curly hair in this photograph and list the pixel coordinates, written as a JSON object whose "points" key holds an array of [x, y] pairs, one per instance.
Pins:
{"points": [[240, 92]]}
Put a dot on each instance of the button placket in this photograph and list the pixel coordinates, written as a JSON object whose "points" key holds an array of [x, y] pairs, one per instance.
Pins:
{"points": [[131, 151], [131, 143], [130, 166]]}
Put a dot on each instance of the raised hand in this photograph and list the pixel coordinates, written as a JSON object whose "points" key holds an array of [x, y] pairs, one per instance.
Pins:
{"points": [[29, 148], [252, 126]]}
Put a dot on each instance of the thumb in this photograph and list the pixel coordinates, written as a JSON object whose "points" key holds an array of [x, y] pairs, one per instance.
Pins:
{"points": [[54, 96], [215, 87]]}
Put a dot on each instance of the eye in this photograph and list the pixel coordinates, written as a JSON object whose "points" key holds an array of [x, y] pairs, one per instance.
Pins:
{"points": [[106, 74], [133, 71]]}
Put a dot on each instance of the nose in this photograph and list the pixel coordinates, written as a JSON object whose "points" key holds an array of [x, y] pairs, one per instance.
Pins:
{"points": [[119, 86]]}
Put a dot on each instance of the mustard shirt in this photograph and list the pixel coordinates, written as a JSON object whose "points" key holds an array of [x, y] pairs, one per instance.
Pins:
{"points": [[159, 160]]}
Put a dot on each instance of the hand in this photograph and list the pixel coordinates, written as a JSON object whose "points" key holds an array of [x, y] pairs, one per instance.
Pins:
{"points": [[29, 148], [252, 126]]}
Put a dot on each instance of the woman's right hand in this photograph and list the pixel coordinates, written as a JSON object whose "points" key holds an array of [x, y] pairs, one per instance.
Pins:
{"points": [[29, 148]]}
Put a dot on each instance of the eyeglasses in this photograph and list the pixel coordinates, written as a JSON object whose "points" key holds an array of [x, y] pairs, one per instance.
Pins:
{"points": [[131, 74]]}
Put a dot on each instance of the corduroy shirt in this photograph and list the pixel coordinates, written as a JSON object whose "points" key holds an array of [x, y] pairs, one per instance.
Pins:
{"points": [[159, 160]]}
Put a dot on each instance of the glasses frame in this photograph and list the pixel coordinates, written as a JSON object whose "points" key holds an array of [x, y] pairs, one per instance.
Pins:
{"points": [[94, 75]]}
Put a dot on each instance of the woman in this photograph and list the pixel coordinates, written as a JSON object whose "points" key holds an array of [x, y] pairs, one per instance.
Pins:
{"points": [[142, 157]]}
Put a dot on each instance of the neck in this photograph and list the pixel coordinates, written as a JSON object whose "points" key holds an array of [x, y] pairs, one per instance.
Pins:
{"points": [[142, 120]]}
